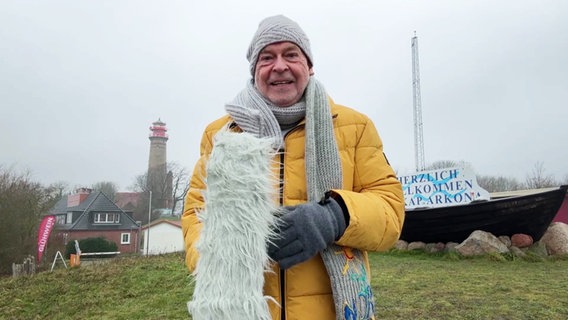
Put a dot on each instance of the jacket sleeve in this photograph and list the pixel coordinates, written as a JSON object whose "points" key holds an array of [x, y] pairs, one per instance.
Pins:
{"points": [[191, 225], [376, 202]]}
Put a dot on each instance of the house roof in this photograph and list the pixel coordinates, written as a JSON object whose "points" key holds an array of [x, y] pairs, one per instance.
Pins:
{"points": [[94, 202], [176, 223]]}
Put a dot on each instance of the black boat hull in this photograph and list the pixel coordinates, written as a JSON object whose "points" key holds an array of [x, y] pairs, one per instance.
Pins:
{"points": [[529, 214]]}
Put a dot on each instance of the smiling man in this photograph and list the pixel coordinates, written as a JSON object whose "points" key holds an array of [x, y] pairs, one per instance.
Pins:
{"points": [[339, 196], [282, 73]]}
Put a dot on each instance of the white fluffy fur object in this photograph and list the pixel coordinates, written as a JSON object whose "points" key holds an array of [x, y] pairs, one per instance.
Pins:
{"points": [[237, 220]]}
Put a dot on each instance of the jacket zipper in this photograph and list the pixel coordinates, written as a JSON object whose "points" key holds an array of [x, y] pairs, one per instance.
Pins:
{"points": [[281, 185], [282, 272]]}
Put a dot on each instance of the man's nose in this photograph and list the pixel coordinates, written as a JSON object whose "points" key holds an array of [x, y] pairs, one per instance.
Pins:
{"points": [[280, 64]]}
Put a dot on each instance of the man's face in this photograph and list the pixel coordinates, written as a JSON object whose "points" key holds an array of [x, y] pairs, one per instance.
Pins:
{"points": [[282, 73]]}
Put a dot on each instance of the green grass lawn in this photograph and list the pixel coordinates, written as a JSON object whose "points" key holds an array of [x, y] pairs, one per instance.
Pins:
{"points": [[407, 286], [419, 286]]}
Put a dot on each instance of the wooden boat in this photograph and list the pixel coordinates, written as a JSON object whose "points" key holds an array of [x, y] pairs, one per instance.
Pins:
{"points": [[529, 214]]}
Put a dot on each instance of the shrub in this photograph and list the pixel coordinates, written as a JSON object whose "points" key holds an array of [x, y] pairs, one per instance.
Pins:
{"points": [[99, 244], [22, 204]]}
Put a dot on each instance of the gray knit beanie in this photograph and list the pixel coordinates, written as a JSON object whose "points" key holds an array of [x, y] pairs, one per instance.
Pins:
{"points": [[277, 29]]}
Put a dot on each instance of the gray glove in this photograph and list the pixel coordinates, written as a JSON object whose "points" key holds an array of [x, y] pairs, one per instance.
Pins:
{"points": [[305, 230]]}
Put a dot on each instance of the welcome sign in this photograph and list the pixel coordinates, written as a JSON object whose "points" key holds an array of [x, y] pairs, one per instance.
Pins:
{"points": [[441, 188]]}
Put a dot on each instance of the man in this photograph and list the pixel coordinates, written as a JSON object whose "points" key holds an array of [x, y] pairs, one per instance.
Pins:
{"points": [[340, 197]]}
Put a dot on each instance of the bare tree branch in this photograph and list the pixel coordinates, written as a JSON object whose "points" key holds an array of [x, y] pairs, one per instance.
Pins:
{"points": [[539, 179]]}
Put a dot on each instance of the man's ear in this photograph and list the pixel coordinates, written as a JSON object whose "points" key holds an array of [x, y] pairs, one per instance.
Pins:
{"points": [[311, 71]]}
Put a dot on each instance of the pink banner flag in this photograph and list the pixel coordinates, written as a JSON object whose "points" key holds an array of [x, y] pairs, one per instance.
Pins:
{"points": [[43, 235]]}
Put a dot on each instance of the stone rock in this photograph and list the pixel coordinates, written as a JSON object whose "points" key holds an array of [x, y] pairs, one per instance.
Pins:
{"points": [[451, 246], [506, 240], [434, 247], [521, 240], [556, 239], [516, 251], [539, 249], [416, 245], [480, 243], [401, 245]]}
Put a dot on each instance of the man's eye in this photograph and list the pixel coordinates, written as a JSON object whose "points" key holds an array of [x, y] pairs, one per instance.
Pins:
{"points": [[265, 58]]}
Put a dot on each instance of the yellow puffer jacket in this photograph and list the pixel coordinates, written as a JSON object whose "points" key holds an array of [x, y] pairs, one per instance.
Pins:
{"points": [[371, 192]]}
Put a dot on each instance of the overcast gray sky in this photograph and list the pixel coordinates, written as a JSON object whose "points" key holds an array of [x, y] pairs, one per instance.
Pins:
{"points": [[81, 81]]}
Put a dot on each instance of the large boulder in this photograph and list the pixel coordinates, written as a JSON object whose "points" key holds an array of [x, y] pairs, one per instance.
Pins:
{"points": [[556, 239], [481, 243]]}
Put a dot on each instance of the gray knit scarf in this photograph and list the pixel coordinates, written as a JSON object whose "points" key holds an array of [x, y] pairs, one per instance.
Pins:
{"points": [[255, 114]]}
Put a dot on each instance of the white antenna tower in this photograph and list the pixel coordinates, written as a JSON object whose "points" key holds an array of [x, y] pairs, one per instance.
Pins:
{"points": [[418, 136]]}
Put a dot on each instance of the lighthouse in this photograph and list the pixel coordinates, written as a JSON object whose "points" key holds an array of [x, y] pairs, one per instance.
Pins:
{"points": [[159, 180]]}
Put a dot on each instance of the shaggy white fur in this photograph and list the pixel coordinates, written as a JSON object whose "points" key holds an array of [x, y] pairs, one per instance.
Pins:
{"points": [[237, 221]]}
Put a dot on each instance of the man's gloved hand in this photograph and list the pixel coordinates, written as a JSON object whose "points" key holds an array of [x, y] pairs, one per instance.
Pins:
{"points": [[305, 230]]}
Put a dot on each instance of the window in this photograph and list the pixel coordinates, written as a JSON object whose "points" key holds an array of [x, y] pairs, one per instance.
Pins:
{"points": [[105, 217], [60, 219], [125, 238], [69, 218]]}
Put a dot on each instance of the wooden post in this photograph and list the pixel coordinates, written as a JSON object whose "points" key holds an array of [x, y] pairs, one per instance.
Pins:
{"points": [[27, 268]]}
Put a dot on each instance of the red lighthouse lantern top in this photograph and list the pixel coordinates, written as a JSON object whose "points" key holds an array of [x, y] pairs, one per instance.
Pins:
{"points": [[158, 129]]}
